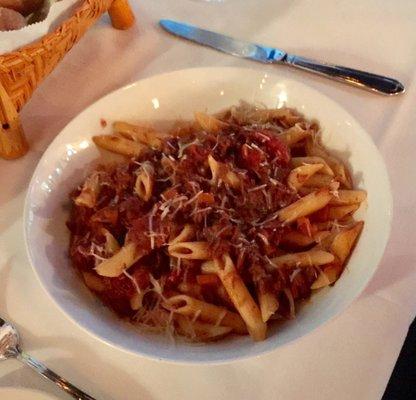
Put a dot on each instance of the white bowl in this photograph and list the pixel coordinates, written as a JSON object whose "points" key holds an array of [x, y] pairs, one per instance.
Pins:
{"points": [[169, 97]]}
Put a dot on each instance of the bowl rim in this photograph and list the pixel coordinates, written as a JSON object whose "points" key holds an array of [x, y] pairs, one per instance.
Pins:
{"points": [[228, 359]]}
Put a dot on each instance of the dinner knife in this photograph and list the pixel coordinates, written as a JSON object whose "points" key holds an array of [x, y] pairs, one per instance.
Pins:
{"points": [[270, 55]]}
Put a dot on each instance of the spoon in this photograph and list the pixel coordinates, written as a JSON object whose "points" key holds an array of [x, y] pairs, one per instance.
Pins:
{"points": [[10, 348]]}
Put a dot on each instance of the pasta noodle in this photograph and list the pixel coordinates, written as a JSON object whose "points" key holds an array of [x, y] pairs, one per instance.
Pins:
{"points": [[342, 211], [344, 241], [199, 330], [306, 205], [327, 276], [221, 171], [89, 192], [137, 133], [313, 148], [111, 244], [120, 261], [268, 305], [145, 181], [304, 259], [190, 250], [302, 175], [209, 123], [217, 226], [186, 233], [318, 180], [120, 145], [192, 308], [239, 295], [347, 197], [298, 161], [294, 135]]}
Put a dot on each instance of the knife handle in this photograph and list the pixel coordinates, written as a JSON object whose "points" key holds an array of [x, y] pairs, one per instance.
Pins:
{"points": [[362, 79]]}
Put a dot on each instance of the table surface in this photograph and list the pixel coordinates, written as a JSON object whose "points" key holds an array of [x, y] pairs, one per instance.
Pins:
{"points": [[349, 358]]}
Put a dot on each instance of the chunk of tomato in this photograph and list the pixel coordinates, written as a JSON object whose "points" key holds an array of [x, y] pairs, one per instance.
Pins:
{"points": [[278, 150], [251, 158]]}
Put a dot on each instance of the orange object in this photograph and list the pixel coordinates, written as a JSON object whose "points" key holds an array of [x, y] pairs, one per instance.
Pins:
{"points": [[304, 226], [207, 198], [12, 140], [22, 70], [121, 14], [207, 279]]}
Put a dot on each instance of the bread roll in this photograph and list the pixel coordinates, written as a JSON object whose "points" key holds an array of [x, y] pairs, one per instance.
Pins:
{"points": [[11, 20], [24, 7]]}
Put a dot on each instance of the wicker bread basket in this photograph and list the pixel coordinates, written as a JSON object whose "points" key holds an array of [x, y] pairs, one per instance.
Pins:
{"points": [[21, 71]]}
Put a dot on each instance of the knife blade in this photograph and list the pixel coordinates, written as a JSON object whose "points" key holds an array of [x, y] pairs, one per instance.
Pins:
{"points": [[271, 55], [226, 44]]}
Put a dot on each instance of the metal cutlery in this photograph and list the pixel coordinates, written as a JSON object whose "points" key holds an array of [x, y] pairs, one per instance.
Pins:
{"points": [[10, 348], [365, 80]]}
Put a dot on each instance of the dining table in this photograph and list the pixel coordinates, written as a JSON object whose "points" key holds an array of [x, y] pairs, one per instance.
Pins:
{"points": [[350, 357]]}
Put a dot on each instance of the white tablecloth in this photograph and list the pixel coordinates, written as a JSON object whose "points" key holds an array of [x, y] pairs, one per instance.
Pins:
{"points": [[349, 358]]}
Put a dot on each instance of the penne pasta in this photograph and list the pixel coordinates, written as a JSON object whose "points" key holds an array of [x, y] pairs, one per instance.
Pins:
{"points": [[239, 295], [298, 161], [89, 192], [200, 330], [348, 197], [299, 176], [190, 250], [221, 171], [182, 128], [325, 241], [137, 133], [345, 240], [120, 145], [210, 267], [320, 236], [111, 245], [197, 309], [123, 259], [145, 181], [287, 115], [222, 218], [294, 135], [217, 168], [303, 259], [327, 276], [342, 175], [342, 211], [187, 233], [313, 148], [247, 113], [305, 205], [318, 181], [268, 305], [208, 123], [297, 239], [325, 226]]}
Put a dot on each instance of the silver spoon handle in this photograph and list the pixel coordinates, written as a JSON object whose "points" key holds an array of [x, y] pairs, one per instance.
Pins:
{"points": [[47, 373], [365, 80]]}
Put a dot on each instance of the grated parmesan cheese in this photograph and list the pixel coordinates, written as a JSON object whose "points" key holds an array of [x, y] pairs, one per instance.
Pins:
{"points": [[151, 232], [260, 187], [293, 274], [184, 146]]}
